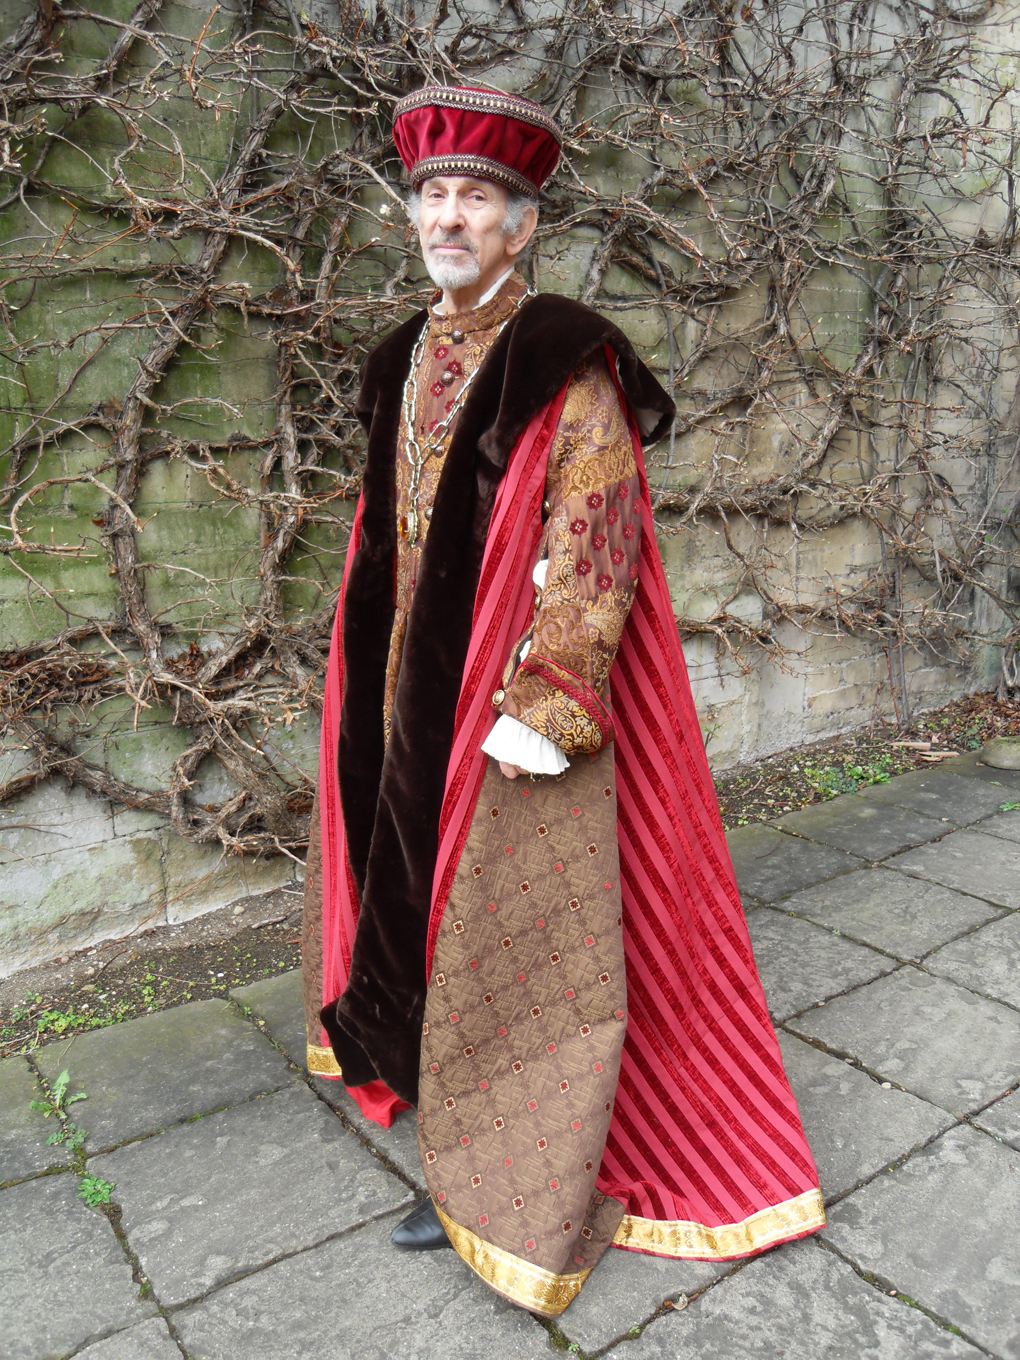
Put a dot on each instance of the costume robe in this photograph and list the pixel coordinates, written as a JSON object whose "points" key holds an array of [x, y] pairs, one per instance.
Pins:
{"points": [[557, 972]]}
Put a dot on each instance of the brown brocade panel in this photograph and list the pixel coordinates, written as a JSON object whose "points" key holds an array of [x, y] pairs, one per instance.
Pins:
{"points": [[525, 1019]]}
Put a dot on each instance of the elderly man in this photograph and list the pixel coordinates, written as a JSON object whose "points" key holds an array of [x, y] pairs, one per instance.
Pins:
{"points": [[520, 912]]}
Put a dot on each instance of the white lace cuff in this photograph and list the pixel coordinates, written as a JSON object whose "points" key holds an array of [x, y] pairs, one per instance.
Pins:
{"points": [[519, 745]]}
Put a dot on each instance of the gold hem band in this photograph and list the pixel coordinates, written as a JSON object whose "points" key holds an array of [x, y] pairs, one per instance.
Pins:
{"points": [[322, 1062], [696, 1241], [529, 1286]]}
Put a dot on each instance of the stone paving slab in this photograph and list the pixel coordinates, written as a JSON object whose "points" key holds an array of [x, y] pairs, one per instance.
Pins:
{"points": [[1002, 1119], [854, 1128], [147, 1341], [278, 1001], [222, 1195], [985, 866], [864, 828], [148, 1074], [800, 963], [769, 864], [987, 960], [358, 1298], [971, 766], [800, 1303], [625, 1289], [23, 1131], [1004, 824], [65, 1279], [936, 1039], [939, 794], [904, 916], [942, 1229]]}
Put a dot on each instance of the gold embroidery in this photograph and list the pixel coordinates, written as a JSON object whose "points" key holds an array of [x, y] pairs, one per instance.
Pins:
{"points": [[485, 101], [696, 1241], [475, 167], [322, 1061], [522, 1283]]}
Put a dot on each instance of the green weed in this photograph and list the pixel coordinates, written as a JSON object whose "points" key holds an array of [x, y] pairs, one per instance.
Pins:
{"points": [[1009, 807], [94, 1191]]}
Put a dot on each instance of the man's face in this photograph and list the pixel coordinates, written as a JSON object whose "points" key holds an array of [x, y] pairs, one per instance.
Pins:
{"points": [[461, 231]]}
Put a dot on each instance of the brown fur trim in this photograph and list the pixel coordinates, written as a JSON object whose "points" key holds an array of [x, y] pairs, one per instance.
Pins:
{"points": [[392, 801]]}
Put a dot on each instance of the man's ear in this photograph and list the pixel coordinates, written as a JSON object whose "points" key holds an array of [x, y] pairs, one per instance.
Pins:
{"points": [[520, 238]]}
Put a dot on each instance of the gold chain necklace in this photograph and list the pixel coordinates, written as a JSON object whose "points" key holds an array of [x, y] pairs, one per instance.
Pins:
{"points": [[418, 456]]}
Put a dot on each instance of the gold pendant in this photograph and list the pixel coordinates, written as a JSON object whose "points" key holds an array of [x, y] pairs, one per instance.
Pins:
{"points": [[412, 526]]}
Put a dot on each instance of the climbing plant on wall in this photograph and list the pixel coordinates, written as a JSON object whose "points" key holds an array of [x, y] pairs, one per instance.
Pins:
{"points": [[804, 213]]}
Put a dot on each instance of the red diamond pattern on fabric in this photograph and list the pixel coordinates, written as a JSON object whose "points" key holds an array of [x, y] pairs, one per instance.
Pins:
{"points": [[465, 1140], [584, 1031], [508, 1161], [440, 979], [517, 1067], [491, 907], [522, 977], [567, 1226], [483, 1085], [477, 870], [430, 1156], [502, 1031], [525, 887], [454, 1018], [472, 963], [589, 941], [441, 1196], [433, 1068], [554, 1185], [518, 1202], [508, 849], [588, 1166], [449, 1103], [540, 924], [575, 812], [574, 904], [550, 1048], [542, 1144], [530, 1244], [558, 867], [554, 958], [499, 1123], [575, 1125], [532, 1106], [488, 998], [607, 792], [603, 978], [564, 1087], [586, 1232], [536, 1011], [469, 1052], [476, 1181], [570, 994], [483, 1220], [543, 830], [596, 1067], [458, 927], [593, 849], [507, 942]]}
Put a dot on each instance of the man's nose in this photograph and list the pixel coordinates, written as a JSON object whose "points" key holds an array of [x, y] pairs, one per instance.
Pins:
{"points": [[452, 215]]}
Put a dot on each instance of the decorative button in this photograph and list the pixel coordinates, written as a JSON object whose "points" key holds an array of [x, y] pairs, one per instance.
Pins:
{"points": [[457, 337], [546, 508], [498, 697], [446, 378]]}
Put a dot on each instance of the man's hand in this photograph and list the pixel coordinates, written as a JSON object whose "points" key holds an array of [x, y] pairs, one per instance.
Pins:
{"points": [[512, 771]]}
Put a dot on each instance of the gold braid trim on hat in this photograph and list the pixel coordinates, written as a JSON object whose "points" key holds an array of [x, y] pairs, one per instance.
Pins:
{"points": [[475, 167], [484, 101]]}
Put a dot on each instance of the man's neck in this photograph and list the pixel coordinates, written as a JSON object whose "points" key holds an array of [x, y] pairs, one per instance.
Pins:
{"points": [[462, 300]]}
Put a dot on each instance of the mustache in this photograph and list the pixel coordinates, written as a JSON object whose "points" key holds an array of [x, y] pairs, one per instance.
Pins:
{"points": [[445, 238]]}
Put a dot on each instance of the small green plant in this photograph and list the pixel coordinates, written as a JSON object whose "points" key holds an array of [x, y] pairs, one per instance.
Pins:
{"points": [[1009, 807], [59, 1100], [95, 1192]]}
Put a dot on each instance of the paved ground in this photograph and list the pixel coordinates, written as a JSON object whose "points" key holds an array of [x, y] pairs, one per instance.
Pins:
{"points": [[252, 1205]]}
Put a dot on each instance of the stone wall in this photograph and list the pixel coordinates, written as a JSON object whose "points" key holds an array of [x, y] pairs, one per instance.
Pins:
{"points": [[814, 247]]}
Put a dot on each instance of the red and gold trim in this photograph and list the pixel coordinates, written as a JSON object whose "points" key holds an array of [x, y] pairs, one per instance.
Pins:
{"points": [[480, 101], [575, 689], [321, 1062], [698, 1242]]}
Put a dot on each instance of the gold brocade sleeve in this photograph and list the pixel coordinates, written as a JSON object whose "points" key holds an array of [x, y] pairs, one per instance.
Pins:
{"points": [[593, 538]]}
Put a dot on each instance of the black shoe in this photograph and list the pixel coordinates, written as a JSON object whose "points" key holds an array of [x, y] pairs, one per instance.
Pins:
{"points": [[421, 1230]]}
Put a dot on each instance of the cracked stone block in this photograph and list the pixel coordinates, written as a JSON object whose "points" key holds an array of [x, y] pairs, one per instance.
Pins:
{"points": [[854, 1128], [1002, 1119], [939, 794], [625, 1289], [769, 865], [800, 964], [802, 1303], [941, 1229], [147, 1074], [359, 1298], [890, 911], [987, 960], [54, 903], [985, 866], [1004, 824], [201, 878], [23, 1131], [149, 1340], [926, 1034], [225, 1194], [864, 828], [52, 817], [278, 1001], [66, 1280]]}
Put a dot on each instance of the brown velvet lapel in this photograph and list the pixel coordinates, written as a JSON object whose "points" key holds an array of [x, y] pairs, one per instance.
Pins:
{"points": [[391, 800]]}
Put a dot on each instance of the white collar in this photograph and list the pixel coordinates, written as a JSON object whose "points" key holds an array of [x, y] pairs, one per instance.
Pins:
{"points": [[486, 296]]}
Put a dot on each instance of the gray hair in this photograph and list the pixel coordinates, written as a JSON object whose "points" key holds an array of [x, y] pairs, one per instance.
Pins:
{"points": [[516, 206]]}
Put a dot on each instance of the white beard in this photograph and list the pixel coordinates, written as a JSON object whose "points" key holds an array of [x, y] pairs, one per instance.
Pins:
{"points": [[452, 274]]}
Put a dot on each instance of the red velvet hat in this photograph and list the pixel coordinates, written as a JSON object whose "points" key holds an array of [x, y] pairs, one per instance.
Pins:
{"points": [[441, 130]]}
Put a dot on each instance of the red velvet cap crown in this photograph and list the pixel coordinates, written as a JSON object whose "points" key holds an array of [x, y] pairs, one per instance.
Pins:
{"points": [[442, 130]]}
